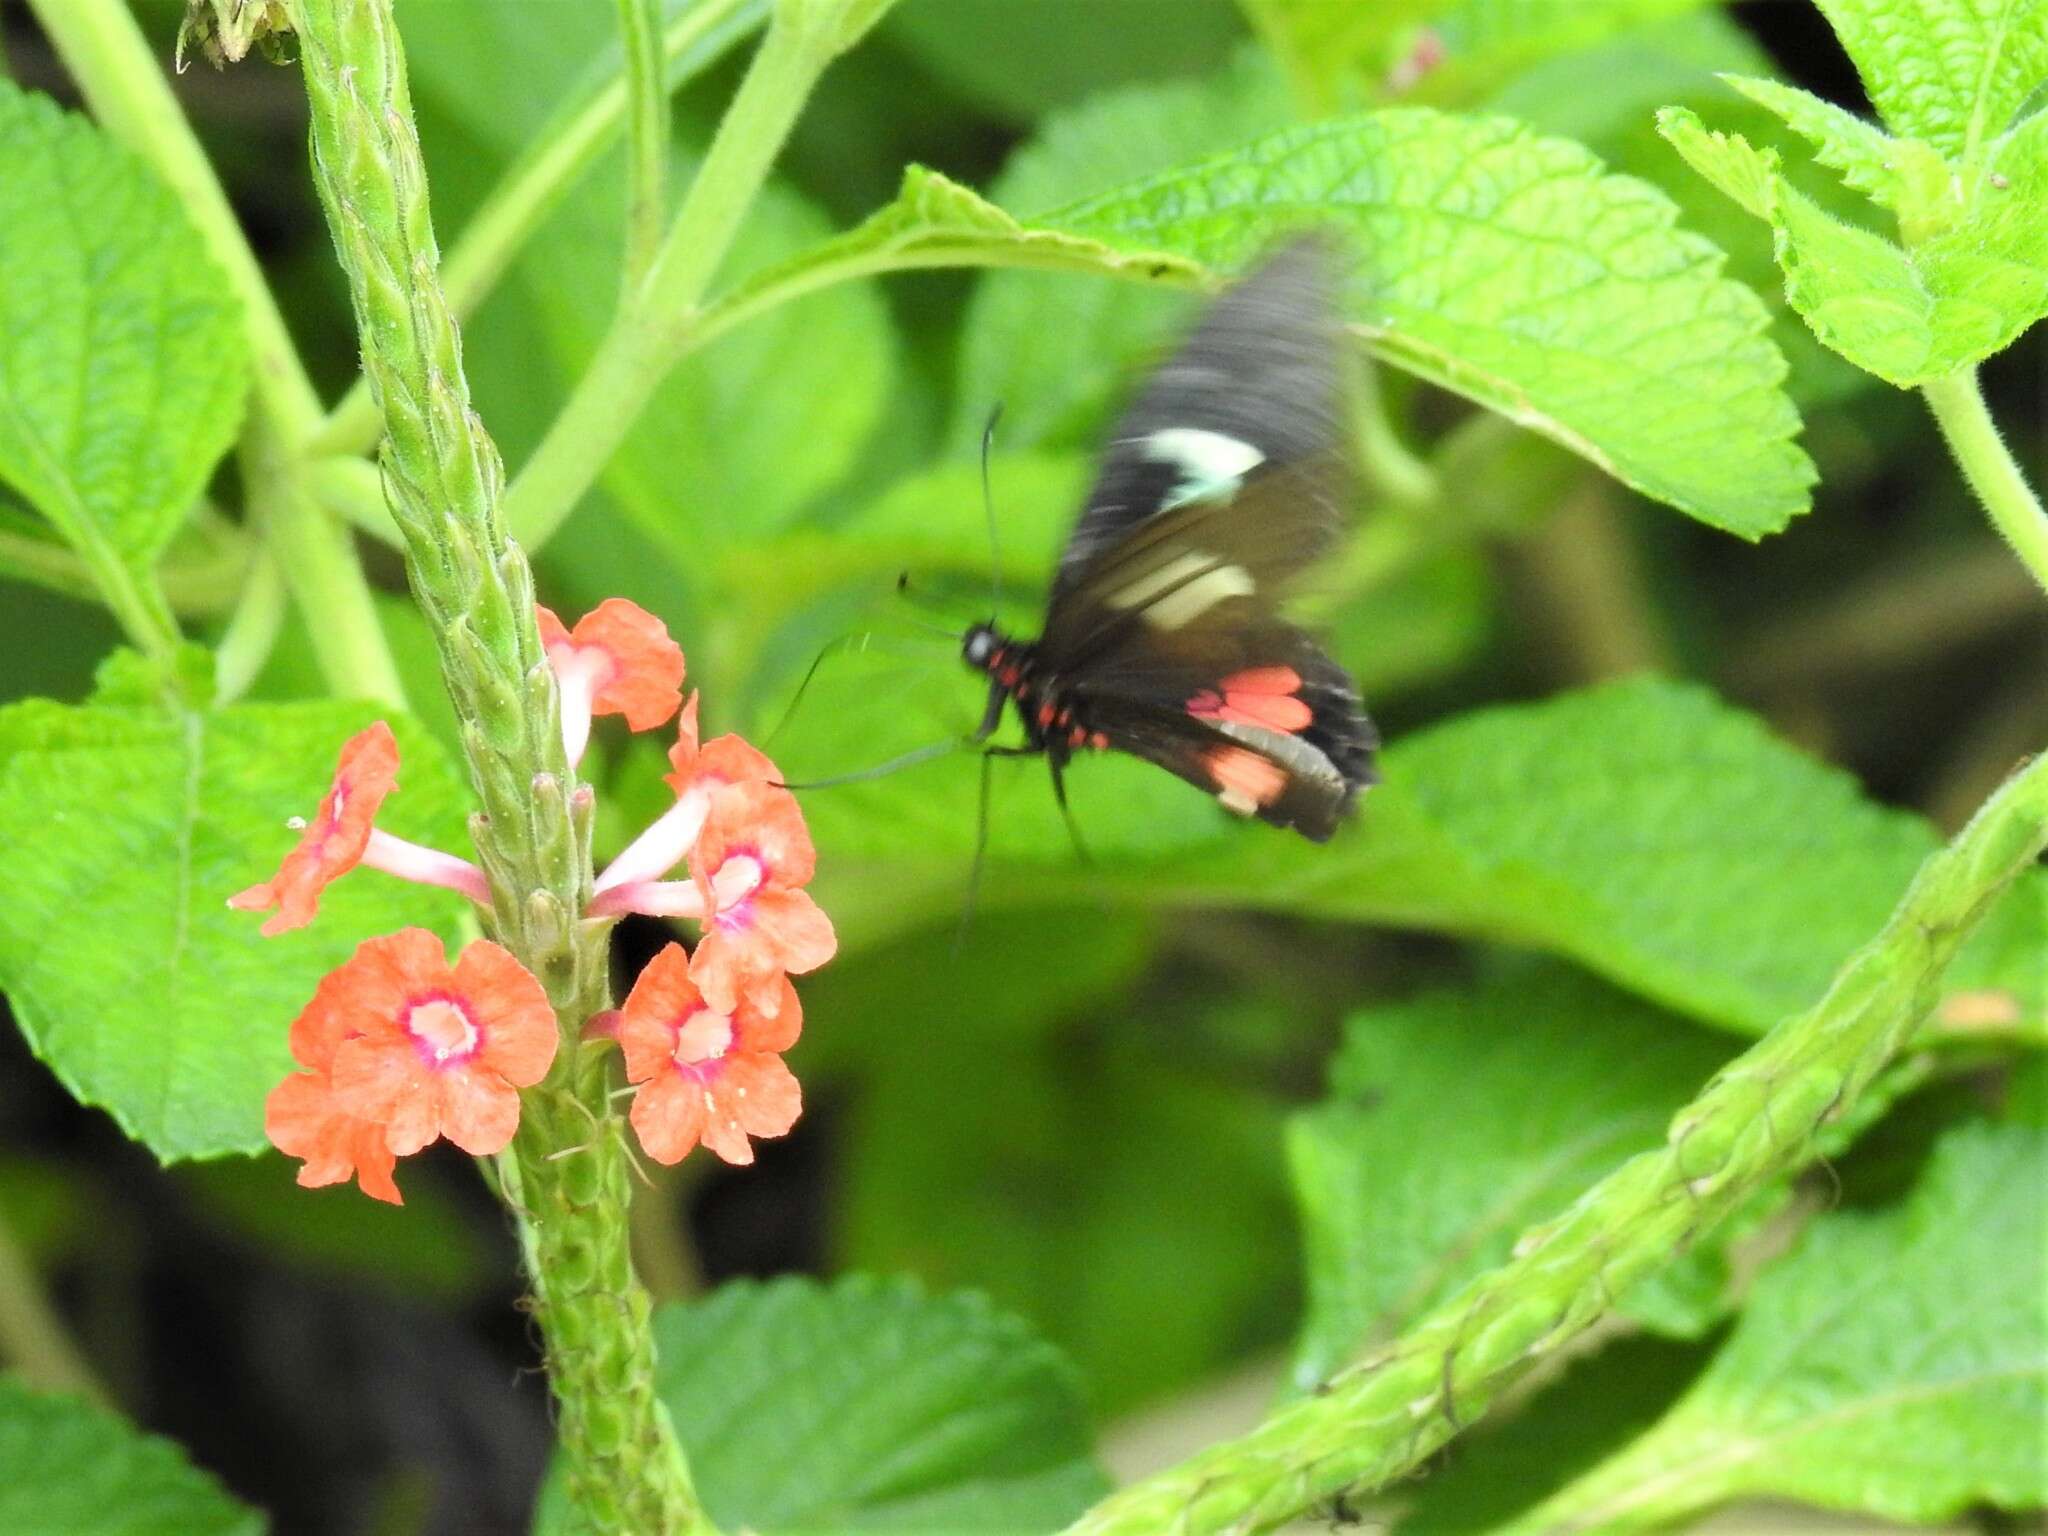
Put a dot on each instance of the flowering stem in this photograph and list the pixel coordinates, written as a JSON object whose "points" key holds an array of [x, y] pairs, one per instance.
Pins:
{"points": [[653, 327], [1958, 406], [561, 151], [566, 1175], [1375, 1421], [647, 134]]}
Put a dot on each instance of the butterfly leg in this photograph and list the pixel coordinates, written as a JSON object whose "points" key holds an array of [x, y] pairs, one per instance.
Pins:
{"points": [[1059, 793], [980, 853]]}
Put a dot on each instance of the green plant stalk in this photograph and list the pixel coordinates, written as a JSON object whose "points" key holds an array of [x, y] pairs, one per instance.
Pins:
{"points": [[205, 585], [1375, 1421], [321, 570], [123, 82], [647, 135], [651, 329], [251, 631], [1972, 436], [572, 139], [624, 1465]]}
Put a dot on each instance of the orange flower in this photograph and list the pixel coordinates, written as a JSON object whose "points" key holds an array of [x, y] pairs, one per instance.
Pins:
{"points": [[619, 660], [750, 859], [424, 1050], [705, 1075], [341, 837], [727, 759], [334, 843], [302, 1120], [633, 881]]}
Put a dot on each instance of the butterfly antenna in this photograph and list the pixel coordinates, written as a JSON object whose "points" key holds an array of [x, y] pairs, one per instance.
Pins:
{"points": [[860, 640], [988, 507], [905, 760]]}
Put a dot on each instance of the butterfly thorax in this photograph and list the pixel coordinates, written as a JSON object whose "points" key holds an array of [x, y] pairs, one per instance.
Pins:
{"points": [[1052, 721]]}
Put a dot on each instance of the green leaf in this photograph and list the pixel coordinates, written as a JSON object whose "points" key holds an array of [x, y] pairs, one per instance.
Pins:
{"points": [[1904, 176], [1595, 825], [1951, 72], [68, 1467], [122, 364], [1058, 353], [868, 1406], [123, 831], [1895, 1365], [1512, 269], [1433, 1153], [1906, 315], [1606, 97]]}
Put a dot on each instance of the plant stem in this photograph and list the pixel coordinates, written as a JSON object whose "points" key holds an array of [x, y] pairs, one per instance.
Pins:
{"points": [[1960, 412], [570, 142], [565, 1175], [647, 135], [319, 563], [33, 1339], [123, 83], [1373, 1422], [252, 631], [651, 330]]}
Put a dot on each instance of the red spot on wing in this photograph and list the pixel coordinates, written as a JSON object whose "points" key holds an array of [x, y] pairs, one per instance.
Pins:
{"points": [[1244, 776], [1262, 696]]}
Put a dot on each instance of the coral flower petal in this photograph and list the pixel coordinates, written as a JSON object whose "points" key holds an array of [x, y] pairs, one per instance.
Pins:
{"points": [[639, 668], [333, 842], [764, 822], [479, 1110], [757, 1095], [302, 1120], [668, 1116], [662, 996], [428, 1050], [519, 1031]]}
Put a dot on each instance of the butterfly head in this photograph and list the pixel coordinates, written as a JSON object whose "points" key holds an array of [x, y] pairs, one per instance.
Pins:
{"points": [[980, 646]]}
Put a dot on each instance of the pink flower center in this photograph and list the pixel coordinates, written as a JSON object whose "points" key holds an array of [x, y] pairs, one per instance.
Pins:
{"points": [[442, 1030], [703, 1037], [739, 876]]}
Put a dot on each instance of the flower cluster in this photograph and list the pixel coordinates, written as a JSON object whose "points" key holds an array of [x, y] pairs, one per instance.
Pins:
{"points": [[398, 1048]]}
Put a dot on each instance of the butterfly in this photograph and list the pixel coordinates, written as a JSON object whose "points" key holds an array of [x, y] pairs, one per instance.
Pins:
{"points": [[1163, 635]]}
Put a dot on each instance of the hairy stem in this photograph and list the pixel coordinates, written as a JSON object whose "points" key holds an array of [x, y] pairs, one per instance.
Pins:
{"points": [[1959, 410], [647, 136], [625, 1467], [652, 330], [565, 147], [1373, 1422]]}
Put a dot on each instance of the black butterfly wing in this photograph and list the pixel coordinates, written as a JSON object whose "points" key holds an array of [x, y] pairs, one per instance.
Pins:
{"points": [[1256, 386], [1306, 777]]}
